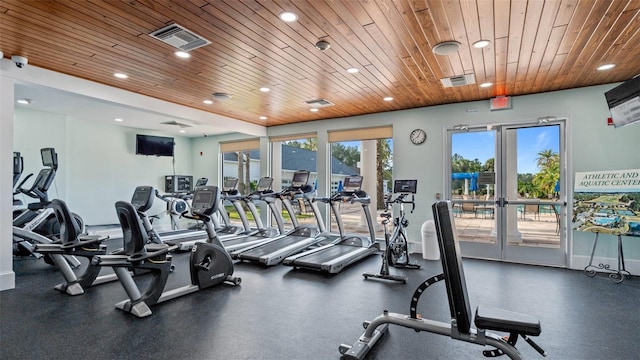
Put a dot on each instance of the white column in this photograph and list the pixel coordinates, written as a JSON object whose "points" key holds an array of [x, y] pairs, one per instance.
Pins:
{"points": [[369, 171], [7, 276]]}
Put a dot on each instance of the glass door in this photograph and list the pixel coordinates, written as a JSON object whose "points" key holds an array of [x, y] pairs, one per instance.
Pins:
{"points": [[507, 194]]}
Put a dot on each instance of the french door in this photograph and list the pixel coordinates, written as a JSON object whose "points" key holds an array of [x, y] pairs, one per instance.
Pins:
{"points": [[506, 186]]}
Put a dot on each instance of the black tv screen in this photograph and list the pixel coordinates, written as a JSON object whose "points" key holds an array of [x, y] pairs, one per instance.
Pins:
{"points": [[154, 145]]}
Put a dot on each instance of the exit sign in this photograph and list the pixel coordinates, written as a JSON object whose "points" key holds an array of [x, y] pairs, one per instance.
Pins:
{"points": [[500, 103]]}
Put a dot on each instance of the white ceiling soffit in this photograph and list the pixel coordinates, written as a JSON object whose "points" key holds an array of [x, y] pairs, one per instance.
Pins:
{"points": [[101, 111]]}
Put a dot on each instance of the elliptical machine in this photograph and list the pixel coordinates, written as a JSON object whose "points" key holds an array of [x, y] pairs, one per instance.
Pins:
{"points": [[38, 218], [396, 252], [210, 264]]}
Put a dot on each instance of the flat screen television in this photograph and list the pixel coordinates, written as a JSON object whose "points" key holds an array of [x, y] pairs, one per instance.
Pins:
{"points": [[624, 102], [154, 145]]}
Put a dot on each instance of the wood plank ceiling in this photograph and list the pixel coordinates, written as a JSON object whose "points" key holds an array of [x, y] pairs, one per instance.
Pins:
{"points": [[535, 46]]}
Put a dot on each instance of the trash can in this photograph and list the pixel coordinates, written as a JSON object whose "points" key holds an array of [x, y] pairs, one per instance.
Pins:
{"points": [[430, 249]]}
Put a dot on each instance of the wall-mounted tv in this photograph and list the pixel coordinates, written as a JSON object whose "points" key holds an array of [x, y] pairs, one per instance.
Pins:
{"points": [[154, 145]]}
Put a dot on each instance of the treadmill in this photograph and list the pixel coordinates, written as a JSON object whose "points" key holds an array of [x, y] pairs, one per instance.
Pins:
{"points": [[347, 249], [261, 233], [230, 193], [273, 251]]}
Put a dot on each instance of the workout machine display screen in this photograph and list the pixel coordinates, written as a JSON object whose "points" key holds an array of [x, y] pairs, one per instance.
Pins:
{"points": [[405, 186], [264, 184], [17, 163], [230, 184], [300, 179], [49, 157], [352, 184], [142, 198], [204, 200]]}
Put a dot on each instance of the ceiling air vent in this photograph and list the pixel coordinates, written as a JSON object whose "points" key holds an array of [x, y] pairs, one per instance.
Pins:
{"points": [[319, 103], [179, 124], [221, 96], [179, 37], [460, 80]]}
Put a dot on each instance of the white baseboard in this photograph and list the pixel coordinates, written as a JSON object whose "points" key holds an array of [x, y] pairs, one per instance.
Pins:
{"points": [[580, 262], [7, 280]]}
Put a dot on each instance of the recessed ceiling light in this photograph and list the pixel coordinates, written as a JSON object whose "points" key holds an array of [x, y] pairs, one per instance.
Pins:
{"points": [[24, 101], [264, 89], [121, 75], [352, 70], [182, 54], [118, 120], [606, 67], [263, 118], [288, 16], [208, 102], [446, 48], [183, 131], [314, 110], [487, 84], [387, 98], [481, 43]]}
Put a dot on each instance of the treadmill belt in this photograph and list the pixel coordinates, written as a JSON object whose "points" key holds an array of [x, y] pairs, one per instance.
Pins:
{"points": [[268, 248], [318, 258]]}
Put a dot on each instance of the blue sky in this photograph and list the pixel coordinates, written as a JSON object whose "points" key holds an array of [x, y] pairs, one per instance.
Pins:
{"points": [[531, 141]]}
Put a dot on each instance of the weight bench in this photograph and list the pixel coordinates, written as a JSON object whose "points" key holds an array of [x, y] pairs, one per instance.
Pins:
{"points": [[460, 328]]}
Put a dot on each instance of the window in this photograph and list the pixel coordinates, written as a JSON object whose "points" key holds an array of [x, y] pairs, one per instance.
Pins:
{"points": [[240, 160]]}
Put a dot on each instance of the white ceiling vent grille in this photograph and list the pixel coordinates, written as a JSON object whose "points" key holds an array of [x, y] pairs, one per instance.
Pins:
{"points": [[179, 37], [179, 124], [460, 80], [319, 103]]}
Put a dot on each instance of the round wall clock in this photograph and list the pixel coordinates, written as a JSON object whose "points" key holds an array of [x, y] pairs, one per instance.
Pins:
{"points": [[418, 136]]}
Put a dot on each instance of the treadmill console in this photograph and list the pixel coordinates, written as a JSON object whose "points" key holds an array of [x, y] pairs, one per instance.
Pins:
{"points": [[229, 185], [201, 182], [405, 186], [142, 198], [205, 200], [264, 184], [352, 184], [300, 179]]}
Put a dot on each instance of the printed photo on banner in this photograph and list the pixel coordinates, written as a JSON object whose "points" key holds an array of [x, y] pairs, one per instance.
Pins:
{"points": [[607, 202]]}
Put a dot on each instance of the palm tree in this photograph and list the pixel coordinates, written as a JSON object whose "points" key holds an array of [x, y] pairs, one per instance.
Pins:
{"points": [[383, 167], [545, 180]]}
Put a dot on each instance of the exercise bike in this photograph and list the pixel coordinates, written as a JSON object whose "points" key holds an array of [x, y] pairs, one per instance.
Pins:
{"points": [[396, 252], [210, 264]]}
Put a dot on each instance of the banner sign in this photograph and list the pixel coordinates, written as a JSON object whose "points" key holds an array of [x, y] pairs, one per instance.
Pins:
{"points": [[607, 202]]}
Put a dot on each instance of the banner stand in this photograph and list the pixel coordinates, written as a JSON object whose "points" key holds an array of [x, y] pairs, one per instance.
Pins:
{"points": [[617, 276]]}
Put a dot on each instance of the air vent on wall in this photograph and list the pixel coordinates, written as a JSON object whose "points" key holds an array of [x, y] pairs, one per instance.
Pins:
{"points": [[460, 80], [179, 37], [319, 103], [179, 124]]}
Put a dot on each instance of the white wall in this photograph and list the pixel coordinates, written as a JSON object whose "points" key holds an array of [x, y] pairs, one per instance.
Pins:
{"points": [[98, 164]]}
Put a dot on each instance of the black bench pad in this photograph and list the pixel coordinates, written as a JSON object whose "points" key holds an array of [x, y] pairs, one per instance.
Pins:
{"points": [[490, 318]]}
